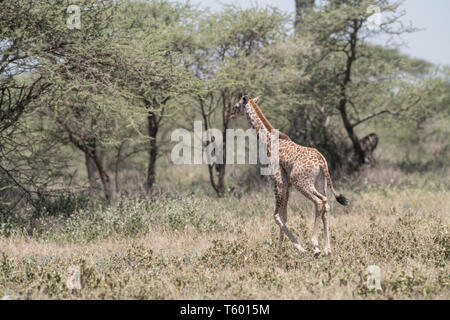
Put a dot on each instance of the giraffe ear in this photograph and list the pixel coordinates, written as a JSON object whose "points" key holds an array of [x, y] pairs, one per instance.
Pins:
{"points": [[256, 99]]}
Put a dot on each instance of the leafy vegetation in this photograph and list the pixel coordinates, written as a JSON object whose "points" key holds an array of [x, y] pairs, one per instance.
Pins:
{"points": [[191, 246]]}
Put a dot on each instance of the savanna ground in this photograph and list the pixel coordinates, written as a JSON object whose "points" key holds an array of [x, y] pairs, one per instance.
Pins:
{"points": [[185, 243]]}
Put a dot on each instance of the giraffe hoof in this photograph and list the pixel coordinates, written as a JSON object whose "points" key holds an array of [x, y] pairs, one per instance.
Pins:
{"points": [[327, 252], [316, 252], [300, 248]]}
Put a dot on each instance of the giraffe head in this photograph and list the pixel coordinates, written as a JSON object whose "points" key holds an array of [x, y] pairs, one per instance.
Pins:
{"points": [[239, 107]]}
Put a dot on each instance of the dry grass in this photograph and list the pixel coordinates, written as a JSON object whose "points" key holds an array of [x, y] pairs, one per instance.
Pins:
{"points": [[194, 246]]}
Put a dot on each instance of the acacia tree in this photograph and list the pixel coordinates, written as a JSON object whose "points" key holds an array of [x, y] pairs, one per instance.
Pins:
{"points": [[344, 82], [300, 6], [34, 38], [84, 104], [226, 59], [422, 138], [154, 36], [111, 84]]}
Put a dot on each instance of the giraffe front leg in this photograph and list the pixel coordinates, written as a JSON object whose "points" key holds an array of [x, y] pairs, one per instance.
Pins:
{"points": [[285, 229], [279, 221], [281, 188], [283, 216], [280, 241]]}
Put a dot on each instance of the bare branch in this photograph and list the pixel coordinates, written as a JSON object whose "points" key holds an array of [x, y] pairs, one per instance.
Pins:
{"points": [[394, 113]]}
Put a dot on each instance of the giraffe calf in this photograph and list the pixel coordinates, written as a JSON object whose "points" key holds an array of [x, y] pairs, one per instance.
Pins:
{"points": [[300, 167]]}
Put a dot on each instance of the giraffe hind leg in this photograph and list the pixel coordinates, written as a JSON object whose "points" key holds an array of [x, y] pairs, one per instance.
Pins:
{"points": [[315, 235], [320, 190], [324, 210], [326, 231], [318, 213], [308, 189]]}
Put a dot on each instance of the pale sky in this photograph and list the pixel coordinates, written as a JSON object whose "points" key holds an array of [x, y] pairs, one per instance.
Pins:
{"points": [[431, 44]]}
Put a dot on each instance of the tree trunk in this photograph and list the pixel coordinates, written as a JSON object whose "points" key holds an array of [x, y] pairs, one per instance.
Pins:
{"points": [[300, 6], [220, 168], [349, 127], [153, 151], [351, 133], [91, 172], [108, 189], [221, 180], [217, 171], [116, 167], [94, 162], [92, 153]]}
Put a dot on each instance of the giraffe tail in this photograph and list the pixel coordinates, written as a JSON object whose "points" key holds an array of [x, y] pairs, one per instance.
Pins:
{"points": [[339, 197], [342, 200]]}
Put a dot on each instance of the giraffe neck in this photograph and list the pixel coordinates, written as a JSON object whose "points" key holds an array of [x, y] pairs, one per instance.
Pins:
{"points": [[255, 119], [261, 116], [261, 121]]}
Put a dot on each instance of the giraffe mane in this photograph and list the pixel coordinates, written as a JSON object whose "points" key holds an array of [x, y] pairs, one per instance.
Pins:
{"points": [[261, 115], [264, 120]]}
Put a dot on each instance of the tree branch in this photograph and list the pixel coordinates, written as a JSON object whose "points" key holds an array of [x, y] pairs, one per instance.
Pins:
{"points": [[395, 113]]}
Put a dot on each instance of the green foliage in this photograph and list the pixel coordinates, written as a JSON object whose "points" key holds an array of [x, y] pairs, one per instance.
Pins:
{"points": [[333, 86], [135, 70], [36, 46]]}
